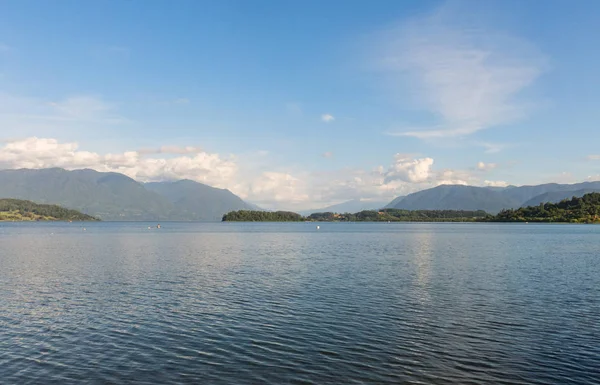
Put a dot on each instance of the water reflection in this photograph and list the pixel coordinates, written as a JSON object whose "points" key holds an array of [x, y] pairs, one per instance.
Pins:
{"points": [[370, 303], [423, 255]]}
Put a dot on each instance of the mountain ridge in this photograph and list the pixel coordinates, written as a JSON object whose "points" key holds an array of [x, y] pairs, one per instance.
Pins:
{"points": [[115, 196], [460, 197]]}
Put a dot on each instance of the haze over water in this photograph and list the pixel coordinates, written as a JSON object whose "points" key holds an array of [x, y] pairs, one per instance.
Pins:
{"points": [[243, 303]]}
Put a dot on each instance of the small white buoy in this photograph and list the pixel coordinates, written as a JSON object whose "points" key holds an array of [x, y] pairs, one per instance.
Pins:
{"points": [[318, 227], [84, 229], [149, 227]]}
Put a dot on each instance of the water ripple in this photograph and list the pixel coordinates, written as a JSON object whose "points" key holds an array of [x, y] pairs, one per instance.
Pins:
{"points": [[247, 304]]}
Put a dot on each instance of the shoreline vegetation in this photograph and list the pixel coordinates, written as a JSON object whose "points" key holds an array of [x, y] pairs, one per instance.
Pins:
{"points": [[17, 210], [575, 210]]}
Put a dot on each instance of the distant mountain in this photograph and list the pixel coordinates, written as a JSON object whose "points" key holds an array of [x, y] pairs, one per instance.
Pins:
{"points": [[525, 193], [108, 196], [113, 196], [557, 196], [197, 201], [395, 202], [456, 197], [352, 206], [492, 200]]}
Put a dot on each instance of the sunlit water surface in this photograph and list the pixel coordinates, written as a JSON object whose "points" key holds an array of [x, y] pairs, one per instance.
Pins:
{"points": [[233, 303]]}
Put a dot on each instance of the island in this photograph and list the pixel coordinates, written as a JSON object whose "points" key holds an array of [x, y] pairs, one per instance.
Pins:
{"points": [[585, 209], [16, 210], [262, 216]]}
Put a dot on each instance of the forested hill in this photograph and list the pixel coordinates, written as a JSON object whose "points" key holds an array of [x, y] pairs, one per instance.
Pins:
{"points": [[384, 215], [262, 216], [21, 210], [576, 210]]}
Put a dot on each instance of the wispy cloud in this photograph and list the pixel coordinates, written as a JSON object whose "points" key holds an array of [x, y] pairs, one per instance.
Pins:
{"points": [[468, 77], [327, 118], [593, 157], [327, 154], [293, 108], [492, 148], [78, 115], [4, 47], [81, 107]]}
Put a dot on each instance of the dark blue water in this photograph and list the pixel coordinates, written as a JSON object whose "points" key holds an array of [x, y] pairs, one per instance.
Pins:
{"points": [[232, 303]]}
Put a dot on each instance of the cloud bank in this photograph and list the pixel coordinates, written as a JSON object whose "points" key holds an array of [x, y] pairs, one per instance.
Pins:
{"points": [[270, 186]]}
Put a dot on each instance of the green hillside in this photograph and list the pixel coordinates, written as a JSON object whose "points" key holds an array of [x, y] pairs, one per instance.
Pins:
{"points": [[21, 210], [575, 210]]}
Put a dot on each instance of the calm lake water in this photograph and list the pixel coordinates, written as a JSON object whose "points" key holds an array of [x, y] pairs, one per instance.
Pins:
{"points": [[232, 303]]}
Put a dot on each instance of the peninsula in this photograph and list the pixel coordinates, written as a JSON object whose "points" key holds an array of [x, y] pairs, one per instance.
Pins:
{"points": [[17, 210], [575, 210], [383, 215]]}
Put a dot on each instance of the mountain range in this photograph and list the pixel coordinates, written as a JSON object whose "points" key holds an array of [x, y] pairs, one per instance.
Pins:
{"points": [[113, 196], [492, 200]]}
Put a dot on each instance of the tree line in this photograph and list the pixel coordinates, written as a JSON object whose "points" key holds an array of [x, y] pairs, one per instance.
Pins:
{"points": [[585, 209], [384, 215]]}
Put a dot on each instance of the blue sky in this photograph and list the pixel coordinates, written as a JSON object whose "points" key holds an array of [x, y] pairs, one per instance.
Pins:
{"points": [[301, 104]]}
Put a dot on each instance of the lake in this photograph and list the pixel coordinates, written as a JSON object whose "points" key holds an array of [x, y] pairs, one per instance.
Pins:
{"points": [[285, 303]]}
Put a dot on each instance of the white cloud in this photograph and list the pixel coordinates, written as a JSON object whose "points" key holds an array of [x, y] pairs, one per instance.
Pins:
{"points": [[481, 166], [327, 154], [593, 157], [42, 153], [448, 176], [273, 188], [467, 76], [409, 170], [495, 183], [327, 118]]}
